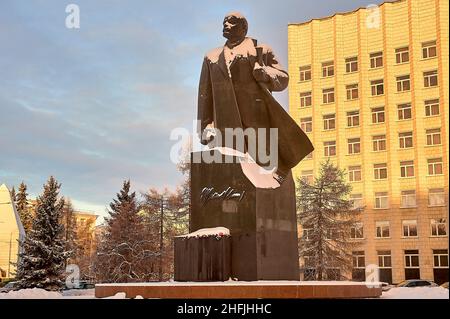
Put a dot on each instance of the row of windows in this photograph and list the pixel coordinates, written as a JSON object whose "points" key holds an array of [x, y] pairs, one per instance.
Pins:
{"points": [[438, 228], [402, 55], [433, 136], [376, 89], [379, 142], [404, 112], [436, 198], [440, 258], [380, 170]]}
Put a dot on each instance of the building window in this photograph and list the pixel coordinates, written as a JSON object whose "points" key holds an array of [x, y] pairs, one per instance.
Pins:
{"points": [[402, 55], [357, 231], [430, 78], [354, 145], [327, 69], [384, 259], [436, 197], [328, 96], [309, 156], [378, 115], [377, 87], [403, 83], [354, 173], [405, 139], [404, 111], [359, 259], [379, 143], [376, 60], [432, 107], [380, 171], [307, 233], [440, 258], [330, 148], [438, 227], [408, 199], [409, 228], [435, 166], [308, 177], [351, 64], [305, 73], [407, 169], [352, 92], [411, 259], [433, 136], [381, 200], [382, 229], [357, 201], [306, 124], [332, 234], [305, 99], [329, 122], [429, 49], [353, 118]]}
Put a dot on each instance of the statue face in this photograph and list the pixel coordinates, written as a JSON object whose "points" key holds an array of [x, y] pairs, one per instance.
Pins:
{"points": [[233, 28]]}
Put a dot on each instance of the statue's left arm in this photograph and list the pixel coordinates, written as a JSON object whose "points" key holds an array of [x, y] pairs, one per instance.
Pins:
{"points": [[278, 77]]}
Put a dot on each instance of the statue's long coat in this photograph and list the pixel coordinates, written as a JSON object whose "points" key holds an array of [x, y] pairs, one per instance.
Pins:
{"points": [[240, 101]]}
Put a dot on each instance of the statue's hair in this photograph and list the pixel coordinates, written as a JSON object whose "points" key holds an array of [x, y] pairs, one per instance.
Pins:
{"points": [[241, 18]]}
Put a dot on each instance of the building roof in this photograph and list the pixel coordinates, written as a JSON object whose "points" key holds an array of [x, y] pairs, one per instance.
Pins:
{"points": [[340, 13]]}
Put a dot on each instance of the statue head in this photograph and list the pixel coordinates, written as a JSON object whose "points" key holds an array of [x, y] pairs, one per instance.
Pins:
{"points": [[235, 26]]}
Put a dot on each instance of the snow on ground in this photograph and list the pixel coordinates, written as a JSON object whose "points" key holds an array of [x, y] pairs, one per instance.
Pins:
{"points": [[416, 293], [37, 293]]}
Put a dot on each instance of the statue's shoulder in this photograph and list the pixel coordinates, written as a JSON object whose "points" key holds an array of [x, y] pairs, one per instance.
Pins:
{"points": [[213, 55]]}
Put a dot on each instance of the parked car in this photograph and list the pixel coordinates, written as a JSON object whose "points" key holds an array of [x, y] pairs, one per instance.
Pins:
{"points": [[417, 283], [8, 287], [385, 286], [445, 285]]}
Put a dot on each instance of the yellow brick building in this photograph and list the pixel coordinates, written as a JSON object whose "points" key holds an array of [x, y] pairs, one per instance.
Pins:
{"points": [[370, 87], [11, 231]]}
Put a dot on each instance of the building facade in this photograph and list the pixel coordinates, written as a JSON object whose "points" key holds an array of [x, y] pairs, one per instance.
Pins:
{"points": [[11, 231], [370, 87]]}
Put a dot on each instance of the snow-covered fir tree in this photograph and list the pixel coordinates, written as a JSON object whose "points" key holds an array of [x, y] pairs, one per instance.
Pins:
{"points": [[23, 208], [327, 217], [43, 255], [125, 254]]}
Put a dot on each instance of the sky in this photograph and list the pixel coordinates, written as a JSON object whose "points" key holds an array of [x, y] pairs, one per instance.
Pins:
{"points": [[95, 106]]}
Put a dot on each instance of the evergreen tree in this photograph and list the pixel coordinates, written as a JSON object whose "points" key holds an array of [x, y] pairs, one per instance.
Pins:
{"points": [[124, 254], [327, 216], [23, 208], [42, 256]]}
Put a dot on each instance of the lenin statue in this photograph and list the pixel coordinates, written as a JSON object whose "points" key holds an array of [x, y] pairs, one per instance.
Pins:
{"points": [[258, 209]]}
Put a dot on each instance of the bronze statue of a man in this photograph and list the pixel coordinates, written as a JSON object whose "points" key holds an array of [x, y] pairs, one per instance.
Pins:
{"points": [[235, 92]]}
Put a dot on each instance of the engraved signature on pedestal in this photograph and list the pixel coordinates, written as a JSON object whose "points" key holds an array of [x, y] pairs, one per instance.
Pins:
{"points": [[209, 193]]}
